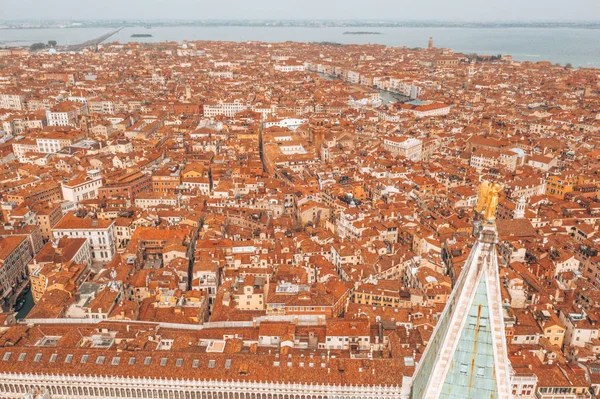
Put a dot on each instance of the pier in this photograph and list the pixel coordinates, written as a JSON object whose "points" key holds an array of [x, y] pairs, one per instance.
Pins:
{"points": [[93, 42]]}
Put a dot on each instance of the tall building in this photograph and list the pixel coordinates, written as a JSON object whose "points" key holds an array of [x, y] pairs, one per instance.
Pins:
{"points": [[430, 45], [15, 253], [100, 233], [466, 356]]}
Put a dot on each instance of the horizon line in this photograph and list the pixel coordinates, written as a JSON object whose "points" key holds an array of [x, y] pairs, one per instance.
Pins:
{"points": [[562, 21]]}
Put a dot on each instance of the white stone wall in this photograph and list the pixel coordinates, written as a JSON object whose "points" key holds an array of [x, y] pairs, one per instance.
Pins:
{"points": [[80, 192], [67, 386], [102, 241]]}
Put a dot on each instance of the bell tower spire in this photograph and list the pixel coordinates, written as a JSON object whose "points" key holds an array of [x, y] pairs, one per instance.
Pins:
{"points": [[466, 356]]}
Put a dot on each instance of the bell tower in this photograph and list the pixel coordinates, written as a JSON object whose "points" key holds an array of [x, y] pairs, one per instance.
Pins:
{"points": [[466, 357], [520, 209]]}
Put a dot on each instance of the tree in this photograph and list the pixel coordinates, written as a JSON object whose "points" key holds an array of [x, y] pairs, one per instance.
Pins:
{"points": [[51, 43], [569, 66], [37, 46]]}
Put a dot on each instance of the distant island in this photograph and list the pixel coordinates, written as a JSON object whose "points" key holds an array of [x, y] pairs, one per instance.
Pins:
{"points": [[329, 43], [141, 35], [361, 33]]}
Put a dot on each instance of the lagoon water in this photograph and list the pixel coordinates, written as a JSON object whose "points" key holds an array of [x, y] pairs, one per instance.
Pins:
{"points": [[580, 47]]}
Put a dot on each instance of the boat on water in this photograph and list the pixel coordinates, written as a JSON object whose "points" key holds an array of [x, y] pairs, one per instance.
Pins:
{"points": [[19, 305]]}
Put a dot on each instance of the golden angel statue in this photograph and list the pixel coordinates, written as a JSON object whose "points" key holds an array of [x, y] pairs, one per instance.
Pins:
{"points": [[487, 201]]}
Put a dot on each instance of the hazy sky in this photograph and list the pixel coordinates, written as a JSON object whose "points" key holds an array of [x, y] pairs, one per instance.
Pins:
{"points": [[472, 10]]}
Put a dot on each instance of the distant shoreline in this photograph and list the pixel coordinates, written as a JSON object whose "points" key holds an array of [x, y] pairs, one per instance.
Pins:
{"points": [[56, 24], [551, 45], [361, 33]]}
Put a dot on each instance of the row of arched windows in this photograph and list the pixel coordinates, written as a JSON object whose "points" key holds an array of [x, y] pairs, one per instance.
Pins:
{"points": [[68, 391]]}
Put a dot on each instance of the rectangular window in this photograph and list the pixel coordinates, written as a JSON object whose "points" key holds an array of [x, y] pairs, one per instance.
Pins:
{"points": [[84, 358], [37, 358], [115, 361], [464, 368], [53, 358], [228, 364], [69, 358], [147, 360], [7, 356], [132, 360], [179, 363], [212, 364], [195, 363], [163, 361], [100, 360]]}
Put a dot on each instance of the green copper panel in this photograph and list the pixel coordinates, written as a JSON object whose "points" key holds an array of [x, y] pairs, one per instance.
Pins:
{"points": [[471, 373]]}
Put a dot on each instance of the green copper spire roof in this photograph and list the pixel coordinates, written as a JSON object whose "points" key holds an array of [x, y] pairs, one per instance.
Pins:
{"points": [[471, 372], [466, 356]]}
